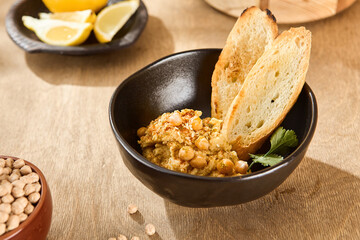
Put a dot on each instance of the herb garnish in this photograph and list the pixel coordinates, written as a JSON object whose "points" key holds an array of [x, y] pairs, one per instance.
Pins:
{"points": [[281, 141]]}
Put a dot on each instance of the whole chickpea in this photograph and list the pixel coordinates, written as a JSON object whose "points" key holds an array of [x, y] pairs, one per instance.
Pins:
{"points": [[19, 163], [29, 208], [14, 176], [8, 198], [17, 192], [9, 162], [198, 162], [18, 183], [225, 166], [2, 163], [202, 143], [25, 170], [175, 119], [34, 197], [141, 131], [3, 217], [13, 222], [241, 167], [196, 123], [186, 153], [23, 217], [29, 188], [17, 208], [2, 228]]}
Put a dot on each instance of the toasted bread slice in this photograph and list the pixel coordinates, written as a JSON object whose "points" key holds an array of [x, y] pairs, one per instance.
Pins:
{"points": [[252, 33], [270, 90]]}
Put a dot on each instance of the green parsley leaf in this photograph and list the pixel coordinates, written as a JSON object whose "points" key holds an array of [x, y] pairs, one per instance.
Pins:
{"points": [[269, 160], [281, 141]]}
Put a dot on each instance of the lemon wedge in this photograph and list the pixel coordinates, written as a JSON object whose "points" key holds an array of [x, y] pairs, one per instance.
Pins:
{"points": [[112, 18], [57, 32], [74, 5], [76, 16]]}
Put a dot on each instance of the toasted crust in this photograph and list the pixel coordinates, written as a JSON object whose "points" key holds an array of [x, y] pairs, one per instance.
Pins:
{"points": [[252, 33], [270, 90]]}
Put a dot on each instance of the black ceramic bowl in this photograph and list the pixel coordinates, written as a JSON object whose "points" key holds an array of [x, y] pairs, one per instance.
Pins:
{"points": [[28, 41], [183, 80]]}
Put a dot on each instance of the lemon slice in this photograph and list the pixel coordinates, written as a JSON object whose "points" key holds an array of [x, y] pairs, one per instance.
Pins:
{"points": [[77, 16], [74, 5], [57, 32], [112, 18]]}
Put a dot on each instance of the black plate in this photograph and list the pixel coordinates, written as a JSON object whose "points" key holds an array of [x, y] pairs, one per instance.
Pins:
{"points": [[28, 41], [183, 80]]}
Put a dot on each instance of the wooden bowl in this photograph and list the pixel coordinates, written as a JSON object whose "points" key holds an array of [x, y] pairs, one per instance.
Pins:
{"points": [[37, 225]]}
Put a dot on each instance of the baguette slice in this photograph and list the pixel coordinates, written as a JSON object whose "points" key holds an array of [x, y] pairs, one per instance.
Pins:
{"points": [[252, 33], [269, 91]]}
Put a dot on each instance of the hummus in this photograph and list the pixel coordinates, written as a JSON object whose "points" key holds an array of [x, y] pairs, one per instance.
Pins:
{"points": [[181, 141]]}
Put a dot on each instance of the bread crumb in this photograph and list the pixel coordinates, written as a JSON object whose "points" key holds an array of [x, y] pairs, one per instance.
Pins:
{"points": [[150, 229], [132, 209]]}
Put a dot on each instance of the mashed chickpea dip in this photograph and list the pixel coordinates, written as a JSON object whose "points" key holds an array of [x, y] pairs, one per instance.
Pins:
{"points": [[181, 141]]}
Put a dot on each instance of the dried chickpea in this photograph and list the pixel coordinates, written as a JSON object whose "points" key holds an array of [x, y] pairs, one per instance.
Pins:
{"points": [[135, 238], [241, 167], [2, 228], [5, 207], [17, 171], [25, 170], [3, 217], [4, 177], [175, 119], [8, 198], [7, 170], [111, 238], [19, 163], [19, 183], [29, 208], [141, 131], [13, 222], [37, 186], [17, 208], [196, 123], [7, 185], [34, 197], [2, 163], [122, 237], [17, 192], [131, 209], [1, 171], [9, 162], [202, 143], [22, 217], [30, 178], [198, 162], [23, 201], [3, 191], [14, 176], [186, 153], [29, 188], [225, 166], [150, 229]]}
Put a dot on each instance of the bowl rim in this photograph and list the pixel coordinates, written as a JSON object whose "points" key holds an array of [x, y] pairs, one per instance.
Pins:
{"points": [[141, 159], [39, 205]]}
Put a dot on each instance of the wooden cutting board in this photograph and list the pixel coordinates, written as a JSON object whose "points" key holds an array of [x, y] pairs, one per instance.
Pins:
{"points": [[286, 11]]}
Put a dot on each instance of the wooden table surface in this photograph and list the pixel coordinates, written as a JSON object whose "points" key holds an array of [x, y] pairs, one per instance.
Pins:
{"points": [[54, 113]]}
